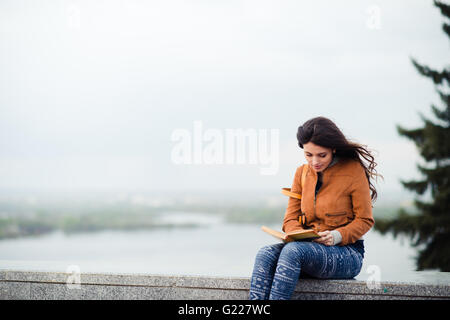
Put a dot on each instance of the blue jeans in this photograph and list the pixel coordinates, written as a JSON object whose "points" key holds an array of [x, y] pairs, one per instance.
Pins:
{"points": [[278, 266]]}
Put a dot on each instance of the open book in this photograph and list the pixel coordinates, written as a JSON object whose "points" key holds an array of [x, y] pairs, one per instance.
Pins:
{"points": [[297, 235]]}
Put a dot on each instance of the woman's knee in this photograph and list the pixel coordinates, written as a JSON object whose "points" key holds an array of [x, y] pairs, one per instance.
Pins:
{"points": [[270, 251], [293, 250]]}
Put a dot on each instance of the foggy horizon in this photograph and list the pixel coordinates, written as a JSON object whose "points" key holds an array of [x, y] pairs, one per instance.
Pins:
{"points": [[92, 91]]}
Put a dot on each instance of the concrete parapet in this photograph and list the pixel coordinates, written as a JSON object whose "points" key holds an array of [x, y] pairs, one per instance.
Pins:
{"points": [[59, 286]]}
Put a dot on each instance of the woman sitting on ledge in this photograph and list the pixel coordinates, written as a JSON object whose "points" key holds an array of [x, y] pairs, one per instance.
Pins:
{"points": [[336, 202]]}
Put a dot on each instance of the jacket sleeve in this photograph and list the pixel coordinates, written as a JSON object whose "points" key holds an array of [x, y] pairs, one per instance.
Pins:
{"points": [[362, 209], [290, 221]]}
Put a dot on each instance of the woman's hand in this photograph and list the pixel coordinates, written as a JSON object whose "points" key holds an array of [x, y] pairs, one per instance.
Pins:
{"points": [[326, 238]]}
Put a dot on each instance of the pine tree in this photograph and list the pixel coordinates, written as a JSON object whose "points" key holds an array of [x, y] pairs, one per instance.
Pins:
{"points": [[429, 228]]}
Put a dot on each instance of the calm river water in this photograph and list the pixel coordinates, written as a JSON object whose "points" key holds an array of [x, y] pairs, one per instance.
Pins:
{"points": [[214, 249]]}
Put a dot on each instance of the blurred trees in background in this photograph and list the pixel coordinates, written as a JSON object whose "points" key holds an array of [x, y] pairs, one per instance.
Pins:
{"points": [[430, 228]]}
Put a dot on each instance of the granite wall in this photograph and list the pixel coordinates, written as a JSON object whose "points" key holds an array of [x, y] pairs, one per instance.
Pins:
{"points": [[56, 286]]}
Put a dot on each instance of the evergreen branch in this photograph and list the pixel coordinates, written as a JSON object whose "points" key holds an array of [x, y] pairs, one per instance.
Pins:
{"points": [[418, 187], [431, 256], [439, 173], [402, 224], [434, 145], [446, 28], [419, 228], [436, 76], [444, 97], [431, 140], [415, 134], [437, 211], [443, 115], [445, 8]]}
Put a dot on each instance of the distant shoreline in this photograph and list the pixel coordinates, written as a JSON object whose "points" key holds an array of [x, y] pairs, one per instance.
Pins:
{"points": [[19, 220]]}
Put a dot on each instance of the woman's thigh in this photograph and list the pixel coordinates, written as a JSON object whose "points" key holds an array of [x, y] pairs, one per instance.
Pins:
{"points": [[327, 262]]}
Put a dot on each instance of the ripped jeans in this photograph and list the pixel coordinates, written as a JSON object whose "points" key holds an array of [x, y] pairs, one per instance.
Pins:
{"points": [[277, 267]]}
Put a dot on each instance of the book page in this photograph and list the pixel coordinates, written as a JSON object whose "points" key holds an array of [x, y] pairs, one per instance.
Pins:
{"points": [[277, 234]]}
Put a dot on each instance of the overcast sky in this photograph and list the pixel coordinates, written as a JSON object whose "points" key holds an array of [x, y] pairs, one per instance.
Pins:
{"points": [[92, 91]]}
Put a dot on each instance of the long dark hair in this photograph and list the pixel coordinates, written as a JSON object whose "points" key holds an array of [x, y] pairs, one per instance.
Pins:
{"points": [[323, 132]]}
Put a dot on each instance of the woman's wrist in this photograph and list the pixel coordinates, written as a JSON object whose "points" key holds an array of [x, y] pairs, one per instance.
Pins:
{"points": [[337, 237]]}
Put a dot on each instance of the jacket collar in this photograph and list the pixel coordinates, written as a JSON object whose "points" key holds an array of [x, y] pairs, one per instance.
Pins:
{"points": [[332, 163]]}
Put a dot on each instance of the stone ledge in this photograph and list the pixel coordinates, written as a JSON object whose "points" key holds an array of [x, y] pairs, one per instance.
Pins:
{"points": [[53, 285]]}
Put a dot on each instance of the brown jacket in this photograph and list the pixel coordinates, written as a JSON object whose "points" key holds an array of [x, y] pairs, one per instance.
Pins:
{"points": [[342, 203]]}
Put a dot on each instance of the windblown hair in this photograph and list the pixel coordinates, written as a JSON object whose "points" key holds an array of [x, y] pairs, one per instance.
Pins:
{"points": [[323, 132]]}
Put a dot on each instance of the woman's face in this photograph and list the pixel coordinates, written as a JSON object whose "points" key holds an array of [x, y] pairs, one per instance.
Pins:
{"points": [[318, 157]]}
